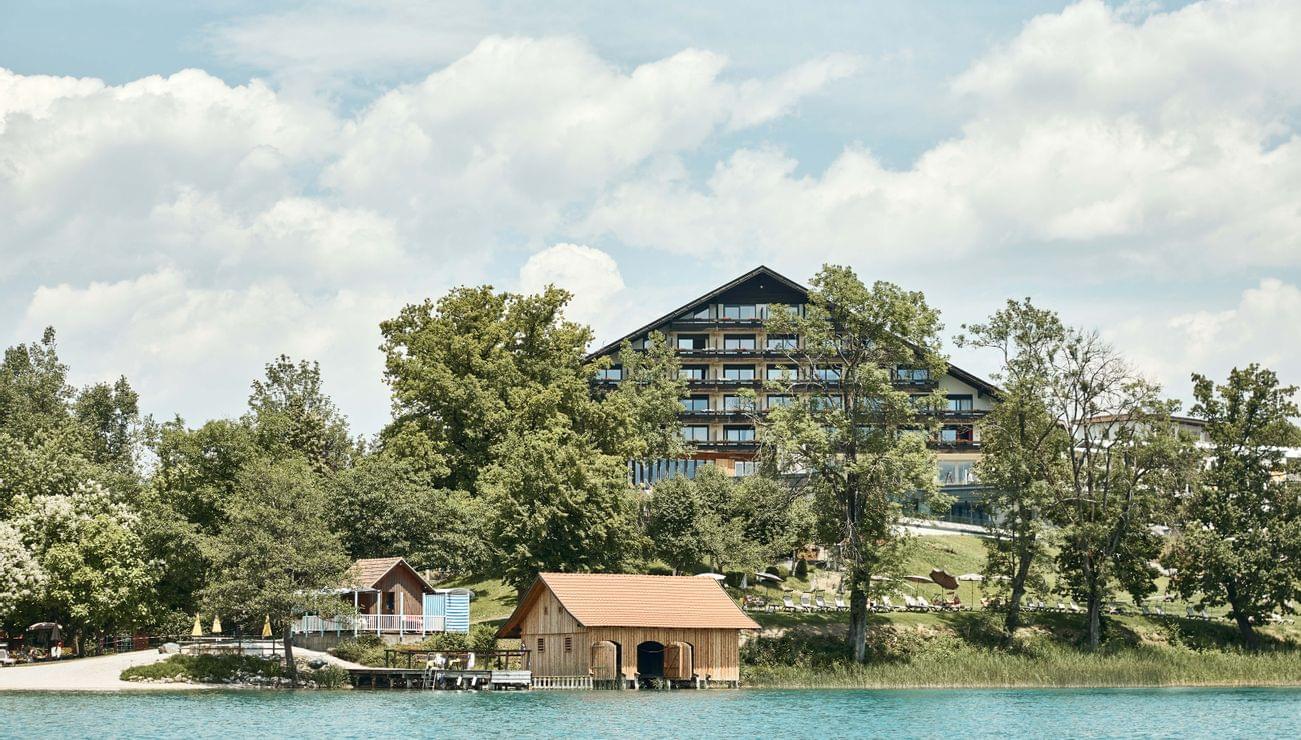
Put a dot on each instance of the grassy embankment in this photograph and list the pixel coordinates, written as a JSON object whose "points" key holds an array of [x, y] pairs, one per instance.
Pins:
{"points": [[968, 650]]}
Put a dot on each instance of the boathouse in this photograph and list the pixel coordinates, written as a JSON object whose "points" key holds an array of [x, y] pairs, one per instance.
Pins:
{"points": [[630, 630]]}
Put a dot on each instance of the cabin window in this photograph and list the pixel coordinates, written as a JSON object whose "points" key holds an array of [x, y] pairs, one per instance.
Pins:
{"points": [[389, 602], [542, 645], [569, 644]]}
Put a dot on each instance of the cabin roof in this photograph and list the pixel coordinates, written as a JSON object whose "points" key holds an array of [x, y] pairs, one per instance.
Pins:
{"points": [[366, 572], [623, 600]]}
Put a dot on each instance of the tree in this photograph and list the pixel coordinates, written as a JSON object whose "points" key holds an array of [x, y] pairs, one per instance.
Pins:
{"points": [[291, 415], [34, 390], [111, 416], [1127, 462], [196, 471], [856, 434], [384, 505], [1240, 527], [675, 515], [1024, 449], [561, 506], [650, 395], [276, 556], [94, 575], [478, 367]]}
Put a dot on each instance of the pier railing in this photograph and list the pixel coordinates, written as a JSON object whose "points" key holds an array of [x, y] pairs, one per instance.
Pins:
{"points": [[554, 683]]}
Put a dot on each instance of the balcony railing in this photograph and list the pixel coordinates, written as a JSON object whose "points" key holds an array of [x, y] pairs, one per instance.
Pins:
{"points": [[417, 624]]}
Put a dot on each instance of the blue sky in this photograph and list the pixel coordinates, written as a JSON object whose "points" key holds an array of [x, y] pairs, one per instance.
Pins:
{"points": [[187, 190]]}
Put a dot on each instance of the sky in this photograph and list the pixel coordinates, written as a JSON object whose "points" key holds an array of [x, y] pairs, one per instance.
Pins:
{"points": [[189, 190]]}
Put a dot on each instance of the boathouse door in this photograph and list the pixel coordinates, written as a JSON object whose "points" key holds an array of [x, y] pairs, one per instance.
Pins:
{"points": [[650, 659]]}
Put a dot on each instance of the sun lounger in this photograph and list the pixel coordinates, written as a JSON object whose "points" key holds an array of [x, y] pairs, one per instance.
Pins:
{"points": [[1075, 608], [842, 606], [820, 603], [788, 604], [925, 605], [806, 602]]}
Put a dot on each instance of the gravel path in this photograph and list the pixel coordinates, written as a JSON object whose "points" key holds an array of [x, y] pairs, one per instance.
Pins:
{"points": [[84, 674]]}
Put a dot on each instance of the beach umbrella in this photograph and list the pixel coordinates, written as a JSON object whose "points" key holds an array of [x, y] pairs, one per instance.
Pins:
{"points": [[197, 631], [715, 576], [917, 579], [266, 627], [973, 579], [216, 625], [767, 577]]}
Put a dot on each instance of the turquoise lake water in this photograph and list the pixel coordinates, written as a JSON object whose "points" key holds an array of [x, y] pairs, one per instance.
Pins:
{"points": [[1179, 713]]}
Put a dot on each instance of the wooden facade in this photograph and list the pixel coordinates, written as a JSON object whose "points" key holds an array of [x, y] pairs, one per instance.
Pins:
{"points": [[560, 644]]}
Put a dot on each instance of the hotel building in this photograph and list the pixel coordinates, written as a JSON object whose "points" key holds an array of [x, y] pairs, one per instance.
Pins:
{"points": [[723, 347]]}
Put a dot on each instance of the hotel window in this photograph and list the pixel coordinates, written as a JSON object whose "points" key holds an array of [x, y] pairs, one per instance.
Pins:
{"points": [[701, 313], [693, 341], [782, 372], [738, 434], [738, 341], [610, 373], [912, 374], [542, 645], [695, 433], [781, 341], [695, 403], [737, 403], [692, 372], [738, 372], [957, 473], [740, 311], [960, 403], [569, 644], [639, 343], [829, 374], [828, 402], [779, 400], [742, 468], [953, 435]]}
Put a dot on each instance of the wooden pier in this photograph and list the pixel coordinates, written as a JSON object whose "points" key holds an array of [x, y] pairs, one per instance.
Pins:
{"points": [[446, 670]]}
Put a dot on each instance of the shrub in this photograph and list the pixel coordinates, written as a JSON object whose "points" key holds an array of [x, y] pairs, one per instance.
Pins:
{"points": [[207, 668], [801, 568], [328, 677]]}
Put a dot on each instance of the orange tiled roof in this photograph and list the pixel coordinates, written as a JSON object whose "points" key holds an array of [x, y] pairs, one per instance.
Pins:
{"points": [[620, 600]]}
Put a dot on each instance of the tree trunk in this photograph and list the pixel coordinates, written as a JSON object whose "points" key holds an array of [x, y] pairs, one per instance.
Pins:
{"points": [[858, 621], [1013, 620], [1094, 605], [1245, 628], [291, 668]]}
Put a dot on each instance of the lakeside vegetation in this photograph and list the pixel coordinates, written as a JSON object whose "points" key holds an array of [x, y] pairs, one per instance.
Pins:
{"points": [[504, 459], [234, 669]]}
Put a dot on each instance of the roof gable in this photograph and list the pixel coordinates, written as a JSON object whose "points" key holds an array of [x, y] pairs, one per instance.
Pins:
{"points": [[366, 572], [622, 600]]}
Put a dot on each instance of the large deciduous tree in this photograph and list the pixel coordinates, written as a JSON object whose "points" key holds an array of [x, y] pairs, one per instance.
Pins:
{"points": [[276, 555], [1240, 527], [1126, 461], [561, 506], [649, 396], [851, 427], [291, 415], [1024, 448]]}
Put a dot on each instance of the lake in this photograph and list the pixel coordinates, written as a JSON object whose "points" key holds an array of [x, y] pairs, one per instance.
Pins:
{"points": [[746, 713]]}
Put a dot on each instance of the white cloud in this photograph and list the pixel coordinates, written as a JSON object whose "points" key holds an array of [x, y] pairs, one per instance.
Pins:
{"points": [[1135, 145], [508, 137], [1262, 327], [194, 350], [592, 276]]}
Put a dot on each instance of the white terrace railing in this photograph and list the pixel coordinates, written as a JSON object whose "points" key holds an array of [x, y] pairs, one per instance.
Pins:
{"points": [[554, 683], [416, 624]]}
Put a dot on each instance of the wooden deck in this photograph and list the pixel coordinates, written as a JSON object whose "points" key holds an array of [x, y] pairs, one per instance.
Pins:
{"points": [[379, 677]]}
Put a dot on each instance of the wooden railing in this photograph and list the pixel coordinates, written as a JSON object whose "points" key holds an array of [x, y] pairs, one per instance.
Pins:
{"points": [[556, 683]]}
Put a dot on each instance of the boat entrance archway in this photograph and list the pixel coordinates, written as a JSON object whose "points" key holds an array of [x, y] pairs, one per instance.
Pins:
{"points": [[650, 659]]}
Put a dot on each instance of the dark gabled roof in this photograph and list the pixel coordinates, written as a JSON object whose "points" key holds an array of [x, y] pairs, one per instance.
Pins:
{"points": [[760, 270], [969, 378]]}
